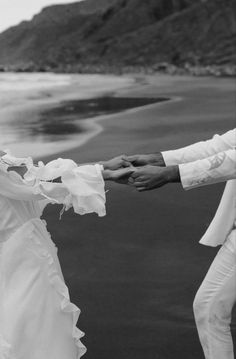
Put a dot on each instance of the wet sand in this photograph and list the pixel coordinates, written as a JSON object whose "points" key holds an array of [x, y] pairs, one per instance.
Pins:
{"points": [[74, 117], [134, 273]]}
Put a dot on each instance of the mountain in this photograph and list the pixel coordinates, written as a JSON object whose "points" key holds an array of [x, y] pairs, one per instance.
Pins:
{"points": [[119, 33]]}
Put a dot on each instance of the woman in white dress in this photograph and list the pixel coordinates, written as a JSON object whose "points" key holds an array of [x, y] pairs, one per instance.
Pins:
{"points": [[37, 319]]}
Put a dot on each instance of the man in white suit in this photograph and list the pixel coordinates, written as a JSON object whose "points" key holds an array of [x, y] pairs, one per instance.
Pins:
{"points": [[201, 164]]}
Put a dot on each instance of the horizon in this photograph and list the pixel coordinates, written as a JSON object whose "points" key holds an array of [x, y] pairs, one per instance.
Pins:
{"points": [[12, 12]]}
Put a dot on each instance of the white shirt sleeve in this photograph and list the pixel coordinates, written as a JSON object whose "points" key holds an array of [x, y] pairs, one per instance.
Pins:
{"points": [[200, 150], [220, 167], [81, 187]]}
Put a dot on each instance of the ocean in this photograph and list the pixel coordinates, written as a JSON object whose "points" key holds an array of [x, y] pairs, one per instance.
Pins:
{"points": [[28, 125], [21, 97]]}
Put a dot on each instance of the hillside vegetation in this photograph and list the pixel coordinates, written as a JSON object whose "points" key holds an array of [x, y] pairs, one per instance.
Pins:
{"points": [[106, 34]]}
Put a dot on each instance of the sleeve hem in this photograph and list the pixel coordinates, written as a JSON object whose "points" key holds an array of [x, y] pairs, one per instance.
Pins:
{"points": [[169, 158]]}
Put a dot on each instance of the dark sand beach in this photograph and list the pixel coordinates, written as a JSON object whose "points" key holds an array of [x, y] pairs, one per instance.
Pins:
{"points": [[135, 272]]}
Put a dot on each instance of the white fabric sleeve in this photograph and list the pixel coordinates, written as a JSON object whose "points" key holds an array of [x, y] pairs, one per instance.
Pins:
{"points": [[11, 184], [218, 168], [200, 150], [81, 187]]}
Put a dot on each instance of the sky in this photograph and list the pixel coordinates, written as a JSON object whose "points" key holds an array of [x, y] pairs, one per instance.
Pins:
{"points": [[14, 11]]}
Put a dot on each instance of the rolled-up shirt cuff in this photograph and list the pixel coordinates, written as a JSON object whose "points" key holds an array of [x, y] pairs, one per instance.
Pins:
{"points": [[171, 158], [186, 176]]}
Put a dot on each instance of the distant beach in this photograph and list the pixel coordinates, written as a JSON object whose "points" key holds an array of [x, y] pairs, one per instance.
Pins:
{"points": [[28, 105]]}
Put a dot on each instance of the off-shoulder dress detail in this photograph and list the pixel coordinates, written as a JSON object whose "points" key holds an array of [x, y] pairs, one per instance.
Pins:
{"points": [[37, 319]]}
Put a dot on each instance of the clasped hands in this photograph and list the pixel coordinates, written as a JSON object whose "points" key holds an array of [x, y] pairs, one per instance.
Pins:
{"points": [[144, 172]]}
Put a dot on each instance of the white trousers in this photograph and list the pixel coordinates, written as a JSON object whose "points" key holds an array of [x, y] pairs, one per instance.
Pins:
{"points": [[214, 302]]}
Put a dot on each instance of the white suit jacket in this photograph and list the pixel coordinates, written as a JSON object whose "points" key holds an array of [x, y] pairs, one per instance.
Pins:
{"points": [[208, 162]]}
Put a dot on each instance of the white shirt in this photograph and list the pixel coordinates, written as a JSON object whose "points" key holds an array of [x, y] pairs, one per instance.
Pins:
{"points": [[205, 163]]}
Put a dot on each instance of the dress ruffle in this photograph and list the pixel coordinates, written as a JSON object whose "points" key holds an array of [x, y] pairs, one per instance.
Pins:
{"points": [[62, 290], [48, 253], [5, 349]]}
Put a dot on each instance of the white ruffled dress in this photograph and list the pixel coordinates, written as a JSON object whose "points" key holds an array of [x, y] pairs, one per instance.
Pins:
{"points": [[37, 319]]}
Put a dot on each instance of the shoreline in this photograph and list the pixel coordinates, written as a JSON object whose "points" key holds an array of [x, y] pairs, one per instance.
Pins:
{"points": [[29, 106], [41, 103], [168, 68], [140, 84], [91, 126]]}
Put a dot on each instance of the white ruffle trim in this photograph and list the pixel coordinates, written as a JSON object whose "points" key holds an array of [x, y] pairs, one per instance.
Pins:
{"points": [[5, 349], [80, 187], [57, 283], [62, 290]]}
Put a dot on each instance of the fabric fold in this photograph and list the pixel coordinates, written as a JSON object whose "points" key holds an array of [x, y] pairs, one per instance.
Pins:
{"points": [[60, 287], [79, 187]]}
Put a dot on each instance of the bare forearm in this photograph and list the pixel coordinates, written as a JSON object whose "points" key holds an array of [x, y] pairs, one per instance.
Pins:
{"points": [[107, 174], [172, 174]]}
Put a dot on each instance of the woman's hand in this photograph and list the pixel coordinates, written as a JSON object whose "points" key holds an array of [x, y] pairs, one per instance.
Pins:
{"points": [[116, 163], [150, 177], [121, 175]]}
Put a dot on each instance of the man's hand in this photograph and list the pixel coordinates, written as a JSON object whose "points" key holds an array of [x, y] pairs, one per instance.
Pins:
{"points": [[121, 175], [151, 177], [116, 163], [155, 159]]}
